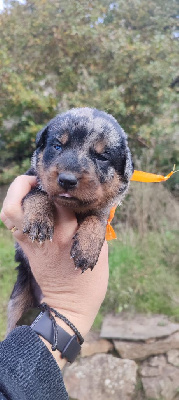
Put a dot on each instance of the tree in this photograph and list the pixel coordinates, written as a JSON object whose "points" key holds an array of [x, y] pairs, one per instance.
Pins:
{"points": [[120, 57]]}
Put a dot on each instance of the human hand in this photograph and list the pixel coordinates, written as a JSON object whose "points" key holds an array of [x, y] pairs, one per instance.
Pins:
{"points": [[75, 295]]}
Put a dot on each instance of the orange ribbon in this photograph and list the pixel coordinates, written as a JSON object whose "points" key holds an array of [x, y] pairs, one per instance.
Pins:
{"points": [[138, 176], [110, 233], [141, 176]]}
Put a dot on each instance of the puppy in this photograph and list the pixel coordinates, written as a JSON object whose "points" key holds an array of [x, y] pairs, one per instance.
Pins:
{"points": [[82, 161]]}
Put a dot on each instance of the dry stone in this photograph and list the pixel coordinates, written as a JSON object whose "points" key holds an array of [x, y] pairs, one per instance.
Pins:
{"points": [[101, 377], [93, 345], [141, 350], [137, 327], [173, 357], [157, 362], [160, 380]]}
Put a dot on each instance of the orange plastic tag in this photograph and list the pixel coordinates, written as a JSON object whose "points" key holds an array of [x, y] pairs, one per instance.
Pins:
{"points": [[138, 176], [110, 233], [141, 176]]}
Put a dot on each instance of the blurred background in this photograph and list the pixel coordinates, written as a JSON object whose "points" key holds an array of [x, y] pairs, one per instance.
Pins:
{"points": [[120, 57]]}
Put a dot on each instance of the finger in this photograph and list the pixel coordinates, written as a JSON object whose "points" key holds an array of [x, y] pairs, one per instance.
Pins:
{"points": [[11, 208], [6, 221], [65, 225], [16, 232]]}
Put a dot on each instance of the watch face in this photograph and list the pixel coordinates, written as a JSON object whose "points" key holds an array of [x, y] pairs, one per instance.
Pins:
{"points": [[29, 316]]}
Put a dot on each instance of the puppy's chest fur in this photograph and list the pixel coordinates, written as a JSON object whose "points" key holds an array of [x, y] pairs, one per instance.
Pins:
{"points": [[82, 161]]}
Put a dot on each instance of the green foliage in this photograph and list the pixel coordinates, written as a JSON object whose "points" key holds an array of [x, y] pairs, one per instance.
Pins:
{"points": [[1, 224], [7, 275], [120, 57], [14, 170], [144, 274]]}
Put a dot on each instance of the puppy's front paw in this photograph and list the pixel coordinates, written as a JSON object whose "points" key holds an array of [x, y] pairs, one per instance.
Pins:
{"points": [[84, 257], [38, 216], [39, 230]]}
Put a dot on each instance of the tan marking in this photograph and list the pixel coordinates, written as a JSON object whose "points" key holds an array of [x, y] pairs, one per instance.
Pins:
{"points": [[106, 192], [48, 177], [99, 147], [64, 138]]}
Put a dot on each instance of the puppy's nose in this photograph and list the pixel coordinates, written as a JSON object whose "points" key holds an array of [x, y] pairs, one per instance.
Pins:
{"points": [[67, 181]]}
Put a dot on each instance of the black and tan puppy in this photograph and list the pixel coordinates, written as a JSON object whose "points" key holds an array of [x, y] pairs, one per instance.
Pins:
{"points": [[82, 161]]}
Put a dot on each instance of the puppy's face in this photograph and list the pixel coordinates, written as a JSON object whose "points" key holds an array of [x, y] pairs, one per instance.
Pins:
{"points": [[82, 159]]}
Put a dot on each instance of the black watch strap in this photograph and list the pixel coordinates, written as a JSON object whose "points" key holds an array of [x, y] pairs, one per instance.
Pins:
{"points": [[68, 345]]}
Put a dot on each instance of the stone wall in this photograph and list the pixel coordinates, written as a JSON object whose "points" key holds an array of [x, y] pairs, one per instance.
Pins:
{"points": [[133, 358]]}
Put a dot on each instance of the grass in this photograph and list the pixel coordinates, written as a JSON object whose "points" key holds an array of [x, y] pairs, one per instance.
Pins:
{"points": [[7, 275], [144, 275]]}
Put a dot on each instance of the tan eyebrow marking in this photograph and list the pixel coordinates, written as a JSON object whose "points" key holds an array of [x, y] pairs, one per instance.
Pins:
{"points": [[64, 138], [99, 147]]}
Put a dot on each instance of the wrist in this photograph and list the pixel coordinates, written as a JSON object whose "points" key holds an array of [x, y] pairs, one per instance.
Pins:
{"points": [[65, 345], [56, 354], [79, 318], [50, 314]]}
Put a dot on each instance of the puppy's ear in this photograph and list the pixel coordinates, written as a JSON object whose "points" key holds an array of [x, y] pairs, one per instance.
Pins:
{"points": [[41, 137], [129, 166]]}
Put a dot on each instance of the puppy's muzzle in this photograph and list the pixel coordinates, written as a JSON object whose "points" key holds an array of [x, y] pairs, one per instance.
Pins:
{"points": [[67, 181]]}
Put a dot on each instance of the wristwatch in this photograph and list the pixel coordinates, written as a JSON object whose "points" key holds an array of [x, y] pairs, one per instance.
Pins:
{"points": [[68, 345]]}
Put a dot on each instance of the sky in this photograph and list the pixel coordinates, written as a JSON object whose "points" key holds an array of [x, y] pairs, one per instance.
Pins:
{"points": [[1, 3]]}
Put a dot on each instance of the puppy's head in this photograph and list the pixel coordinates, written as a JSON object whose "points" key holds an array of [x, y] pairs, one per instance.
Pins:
{"points": [[83, 160]]}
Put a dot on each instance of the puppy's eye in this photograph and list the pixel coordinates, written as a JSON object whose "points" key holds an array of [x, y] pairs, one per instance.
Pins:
{"points": [[101, 157], [58, 147]]}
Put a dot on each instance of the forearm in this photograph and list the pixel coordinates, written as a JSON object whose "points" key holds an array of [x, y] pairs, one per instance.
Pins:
{"points": [[28, 370]]}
